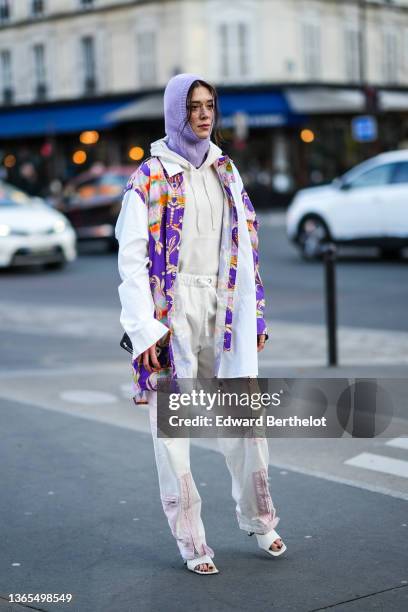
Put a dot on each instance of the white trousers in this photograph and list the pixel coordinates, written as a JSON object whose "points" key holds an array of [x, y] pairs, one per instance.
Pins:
{"points": [[247, 459]]}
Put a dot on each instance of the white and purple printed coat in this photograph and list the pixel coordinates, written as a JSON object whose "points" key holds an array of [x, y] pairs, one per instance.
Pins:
{"points": [[149, 231]]}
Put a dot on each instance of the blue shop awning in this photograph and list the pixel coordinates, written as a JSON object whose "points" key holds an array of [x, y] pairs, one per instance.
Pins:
{"points": [[254, 103], [261, 109], [43, 121]]}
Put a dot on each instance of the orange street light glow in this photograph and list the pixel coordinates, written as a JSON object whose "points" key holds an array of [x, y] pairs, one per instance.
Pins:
{"points": [[79, 157], [307, 136], [136, 153], [89, 137], [9, 161]]}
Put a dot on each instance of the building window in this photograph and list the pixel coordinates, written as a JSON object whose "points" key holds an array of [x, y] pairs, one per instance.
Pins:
{"points": [[406, 49], [6, 76], [352, 53], [146, 54], [243, 49], [88, 60], [37, 8], [40, 72], [234, 50], [223, 30], [4, 10], [390, 54], [311, 49]]}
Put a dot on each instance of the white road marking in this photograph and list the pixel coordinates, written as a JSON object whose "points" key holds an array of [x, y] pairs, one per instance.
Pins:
{"points": [[380, 463], [398, 442], [88, 397], [126, 390]]}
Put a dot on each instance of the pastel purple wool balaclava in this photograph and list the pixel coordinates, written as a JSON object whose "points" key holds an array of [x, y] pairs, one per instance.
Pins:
{"points": [[182, 141]]}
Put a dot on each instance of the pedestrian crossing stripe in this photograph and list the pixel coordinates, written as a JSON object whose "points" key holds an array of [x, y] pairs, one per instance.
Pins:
{"points": [[379, 463], [398, 442]]}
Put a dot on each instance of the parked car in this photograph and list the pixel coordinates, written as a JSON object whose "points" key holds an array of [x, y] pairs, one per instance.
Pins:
{"points": [[367, 206], [31, 232], [92, 202]]}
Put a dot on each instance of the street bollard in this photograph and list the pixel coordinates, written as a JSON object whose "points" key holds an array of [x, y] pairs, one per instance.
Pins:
{"points": [[329, 258]]}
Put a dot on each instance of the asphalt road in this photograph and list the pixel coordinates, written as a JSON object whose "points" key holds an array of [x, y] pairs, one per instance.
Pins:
{"points": [[371, 292], [79, 506]]}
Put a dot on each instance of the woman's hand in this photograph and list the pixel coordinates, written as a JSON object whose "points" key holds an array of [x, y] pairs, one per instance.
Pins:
{"points": [[149, 358], [261, 342]]}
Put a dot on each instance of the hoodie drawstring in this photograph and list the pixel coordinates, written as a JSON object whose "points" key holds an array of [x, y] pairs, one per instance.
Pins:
{"points": [[204, 178], [160, 149], [210, 201], [197, 208]]}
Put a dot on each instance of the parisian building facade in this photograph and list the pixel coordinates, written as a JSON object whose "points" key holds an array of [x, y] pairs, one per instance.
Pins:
{"points": [[291, 74]]}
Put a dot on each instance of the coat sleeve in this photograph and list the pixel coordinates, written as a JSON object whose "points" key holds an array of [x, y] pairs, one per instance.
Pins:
{"points": [[253, 226], [137, 314]]}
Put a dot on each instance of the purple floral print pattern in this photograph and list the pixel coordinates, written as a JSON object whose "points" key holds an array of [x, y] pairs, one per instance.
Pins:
{"points": [[165, 198]]}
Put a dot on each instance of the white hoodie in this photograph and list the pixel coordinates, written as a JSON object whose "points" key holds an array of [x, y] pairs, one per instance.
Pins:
{"points": [[203, 213]]}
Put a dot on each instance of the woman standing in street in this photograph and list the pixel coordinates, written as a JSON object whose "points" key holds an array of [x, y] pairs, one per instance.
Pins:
{"points": [[191, 288]]}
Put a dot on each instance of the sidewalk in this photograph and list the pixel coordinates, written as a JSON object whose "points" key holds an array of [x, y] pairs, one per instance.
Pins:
{"points": [[292, 344], [80, 513], [289, 344]]}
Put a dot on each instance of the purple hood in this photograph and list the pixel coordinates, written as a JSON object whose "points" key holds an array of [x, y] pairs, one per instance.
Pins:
{"points": [[182, 140]]}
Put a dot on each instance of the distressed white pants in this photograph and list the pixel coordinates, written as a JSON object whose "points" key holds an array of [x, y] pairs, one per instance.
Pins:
{"points": [[246, 458]]}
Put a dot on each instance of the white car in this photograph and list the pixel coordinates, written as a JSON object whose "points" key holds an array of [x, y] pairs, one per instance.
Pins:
{"points": [[367, 206], [31, 232]]}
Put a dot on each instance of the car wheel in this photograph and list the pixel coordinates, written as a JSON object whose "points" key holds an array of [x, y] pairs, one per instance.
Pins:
{"points": [[391, 253], [112, 245], [312, 234], [55, 265]]}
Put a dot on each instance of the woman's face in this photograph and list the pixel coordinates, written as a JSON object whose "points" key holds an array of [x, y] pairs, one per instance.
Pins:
{"points": [[201, 111]]}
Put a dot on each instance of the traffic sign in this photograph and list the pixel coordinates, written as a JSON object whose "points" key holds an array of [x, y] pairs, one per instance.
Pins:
{"points": [[364, 128]]}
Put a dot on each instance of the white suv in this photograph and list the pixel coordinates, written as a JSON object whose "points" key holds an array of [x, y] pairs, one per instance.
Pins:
{"points": [[367, 206]]}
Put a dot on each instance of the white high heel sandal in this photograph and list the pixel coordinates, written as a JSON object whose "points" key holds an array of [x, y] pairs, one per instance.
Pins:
{"points": [[194, 563], [266, 540]]}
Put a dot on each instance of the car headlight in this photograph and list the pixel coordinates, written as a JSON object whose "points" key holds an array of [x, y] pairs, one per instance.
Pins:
{"points": [[4, 230], [59, 226]]}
